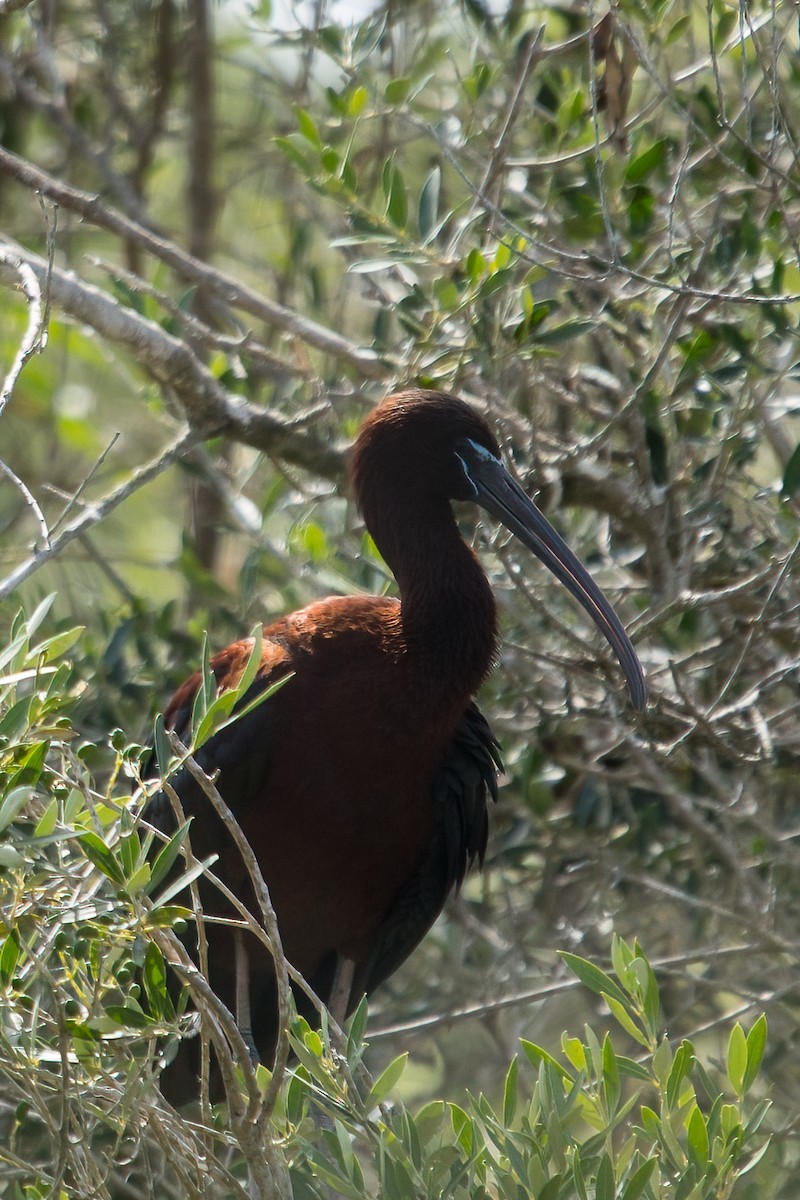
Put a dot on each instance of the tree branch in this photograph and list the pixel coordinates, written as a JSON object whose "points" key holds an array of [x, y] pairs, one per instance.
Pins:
{"points": [[189, 268], [210, 409]]}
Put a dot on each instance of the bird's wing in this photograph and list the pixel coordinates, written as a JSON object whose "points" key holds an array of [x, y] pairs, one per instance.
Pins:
{"points": [[463, 785]]}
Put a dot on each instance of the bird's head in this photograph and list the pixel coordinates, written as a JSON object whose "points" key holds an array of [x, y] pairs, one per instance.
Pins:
{"points": [[433, 448]]}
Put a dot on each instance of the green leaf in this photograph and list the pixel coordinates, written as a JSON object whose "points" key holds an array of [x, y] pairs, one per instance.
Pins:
{"points": [[649, 986], [154, 978], [681, 1066], [9, 956], [15, 719], [138, 879], [29, 768], [167, 855], [132, 1018], [551, 1189], [12, 805], [355, 1035], [662, 1061], [308, 127], [394, 189], [639, 1180], [213, 719], [167, 915], [183, 881], [737, 1058], [791, 476], [697, 1135], [510, 1092], [651, 1122], [102, 857], [397, 90], [621, 958], [632, 1069], [54, 647], [294, 155], [48, 820], [161, 746], [475, 265], [463, 1127], [574, 1051], [565, 331], [536, 1055], [387, 1080], [206, 690], [428, 209], [646, 162], [253, 662], [623, 1017], [756, 1044], [593, 978], [10, 858], [678, 29], [357, 101], [604, 1185], [611, 1082]]}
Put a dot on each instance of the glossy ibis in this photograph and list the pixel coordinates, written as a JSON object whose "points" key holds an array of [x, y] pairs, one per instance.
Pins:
{"points": [[362, 785]]}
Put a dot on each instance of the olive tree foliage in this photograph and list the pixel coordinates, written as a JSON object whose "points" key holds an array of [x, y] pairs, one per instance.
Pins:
{"points": [[226, 231]]}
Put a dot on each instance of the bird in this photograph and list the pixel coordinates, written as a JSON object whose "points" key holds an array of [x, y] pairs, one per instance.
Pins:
{"points": [[363, 784]]}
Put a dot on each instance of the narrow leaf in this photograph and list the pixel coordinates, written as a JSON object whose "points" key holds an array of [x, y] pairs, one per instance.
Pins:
{"points": [[697, 1135], [132, 1018], [167, 856], [161, 746], [57, 645], [604, 1184], [737, 1058], [428, 209], [102, 857], [647, 161], [510, 1092], [214, 717], [791, 475], [756, 1044], [154, 977], [610, 1076], [536, 1055], [623, 1017], [593, 978], [253, 662], [639, 1180], [387, 1080], [184, 880], [12, 805], [9, 957]]}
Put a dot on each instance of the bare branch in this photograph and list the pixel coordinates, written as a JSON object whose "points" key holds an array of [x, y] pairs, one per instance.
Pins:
{"points": [[97, 512], [30, 285], [224, 286], [210, 408]]}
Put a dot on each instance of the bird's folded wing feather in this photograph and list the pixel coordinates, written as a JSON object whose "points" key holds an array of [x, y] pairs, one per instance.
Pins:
{"points": [[465, 782]]}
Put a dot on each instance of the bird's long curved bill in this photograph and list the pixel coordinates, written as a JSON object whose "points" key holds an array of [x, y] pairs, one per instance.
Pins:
{"points": [[502, 496]]}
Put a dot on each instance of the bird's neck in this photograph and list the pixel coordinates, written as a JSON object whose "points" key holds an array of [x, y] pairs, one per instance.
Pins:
{"points": [[448, 611]]}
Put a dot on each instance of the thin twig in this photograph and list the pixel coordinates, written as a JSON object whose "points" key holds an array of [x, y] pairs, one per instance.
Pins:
{"points": [[98, 511]]}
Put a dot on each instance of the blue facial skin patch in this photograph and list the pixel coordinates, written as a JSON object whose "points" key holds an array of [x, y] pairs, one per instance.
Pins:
{"points": [[480, 452]]}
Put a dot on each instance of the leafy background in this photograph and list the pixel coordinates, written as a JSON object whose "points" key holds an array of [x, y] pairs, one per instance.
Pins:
{"points": [[585, 221]]}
